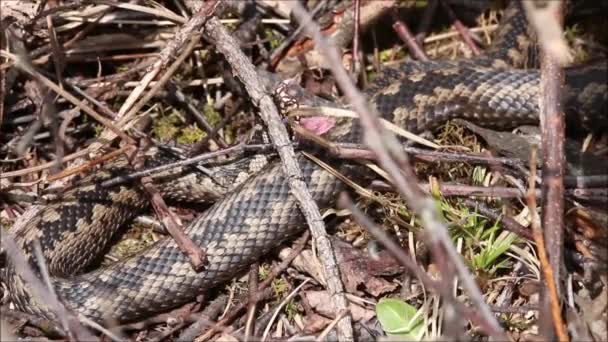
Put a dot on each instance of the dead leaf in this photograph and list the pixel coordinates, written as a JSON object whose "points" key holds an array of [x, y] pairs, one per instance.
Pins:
{"points": [[321, 302], [360, 272], [315, 323]]}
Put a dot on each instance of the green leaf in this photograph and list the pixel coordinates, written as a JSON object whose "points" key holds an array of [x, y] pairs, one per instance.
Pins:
{"points": [[399, 319]]}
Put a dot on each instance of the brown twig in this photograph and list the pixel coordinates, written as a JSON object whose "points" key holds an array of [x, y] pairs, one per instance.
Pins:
{"points": [[463, 30], [57, 53], [43, 166], [279, 52], [552, 125], [211, 312], [507, 222], [179, 96], [90, 164], [236, 149], [3, 92], [425, 22], [123, 117], [546, 266], [29, 69], [173, 225], [407, 37], [242, 67], [82, 33]]}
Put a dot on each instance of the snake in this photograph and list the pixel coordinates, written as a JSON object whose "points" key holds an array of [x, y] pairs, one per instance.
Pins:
{"points": [[252, 210]]}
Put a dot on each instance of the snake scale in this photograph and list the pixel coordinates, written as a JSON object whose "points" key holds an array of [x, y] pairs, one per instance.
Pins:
{"points": [[259, 214]]}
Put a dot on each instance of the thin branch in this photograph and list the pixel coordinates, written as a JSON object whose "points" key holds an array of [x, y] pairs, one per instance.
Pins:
{"points": [[407, 37], [386, 146], [280, 51], [243, 68], [281, 305], [356, 39], [43, 166], [252, 286], [463, 30], [553, 130], [196, 255], [237, 149], [508, 223], [548, 272], [425, 22], [90, 164]]}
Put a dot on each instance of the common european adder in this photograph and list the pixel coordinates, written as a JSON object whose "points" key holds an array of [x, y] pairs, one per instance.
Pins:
{"points": [[259, 213]]}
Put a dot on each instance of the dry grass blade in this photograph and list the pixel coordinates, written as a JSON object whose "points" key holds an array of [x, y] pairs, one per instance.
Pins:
{"points": [[43, 166], [160, 12]]}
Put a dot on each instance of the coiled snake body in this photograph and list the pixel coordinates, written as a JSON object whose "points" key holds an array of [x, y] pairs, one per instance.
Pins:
{"points": [[261, 213]]}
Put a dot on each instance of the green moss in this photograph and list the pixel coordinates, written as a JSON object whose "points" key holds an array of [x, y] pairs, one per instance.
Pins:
{"points": [[385, 55], [273, 40], [263, 271], [190, 135], [165, 128], [212, 116], [291, 309], [98, 129], [579, 53], [280, 287], [4, 223], [135, 240]]}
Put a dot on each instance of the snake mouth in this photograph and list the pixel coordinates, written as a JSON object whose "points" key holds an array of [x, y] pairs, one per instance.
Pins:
{"points": [[318, 125]]}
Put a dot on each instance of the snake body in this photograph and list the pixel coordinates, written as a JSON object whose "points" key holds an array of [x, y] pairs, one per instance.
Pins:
{"points": [[260, 213]]}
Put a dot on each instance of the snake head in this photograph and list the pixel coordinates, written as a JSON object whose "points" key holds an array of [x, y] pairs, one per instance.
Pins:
{"points": [[289, 96], [286, 96]]}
